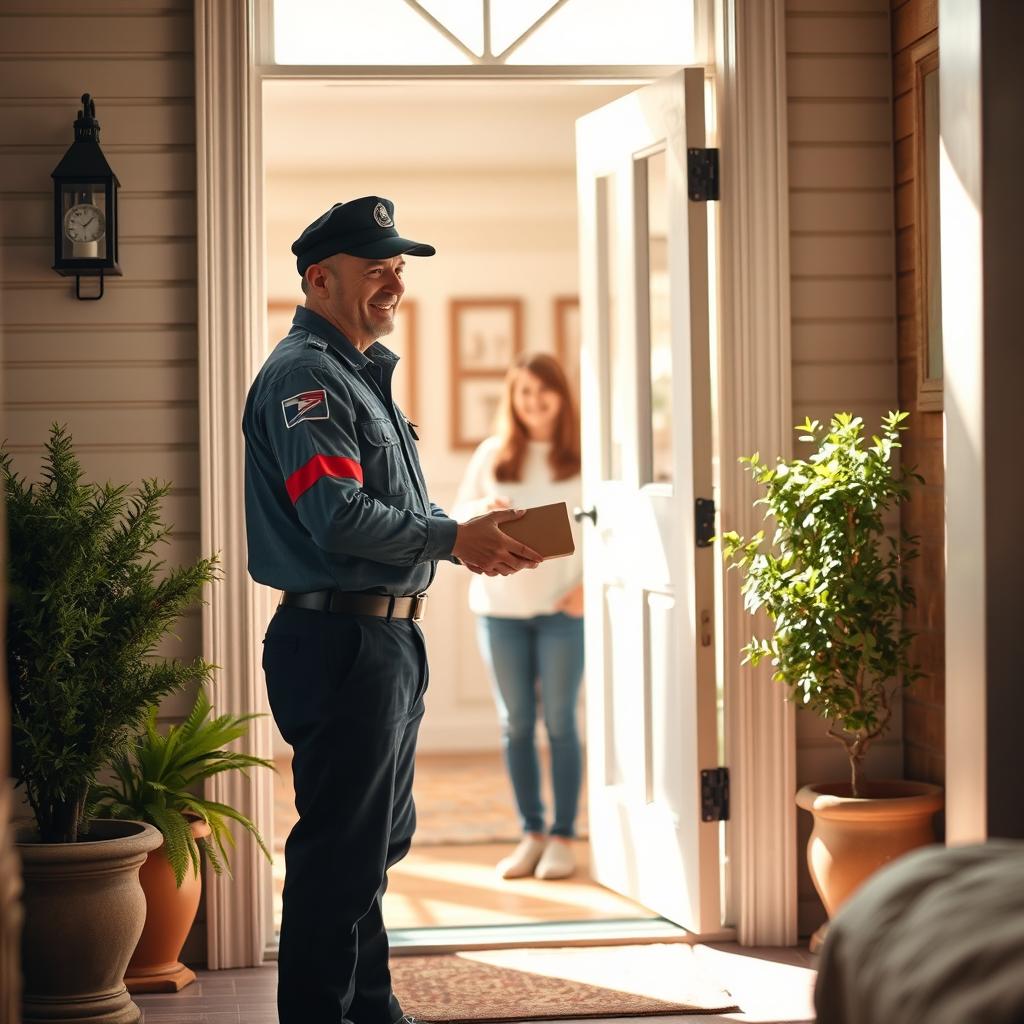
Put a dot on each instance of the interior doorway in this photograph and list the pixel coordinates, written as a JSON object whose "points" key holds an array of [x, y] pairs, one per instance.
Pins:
{"points": [[487, 173]]}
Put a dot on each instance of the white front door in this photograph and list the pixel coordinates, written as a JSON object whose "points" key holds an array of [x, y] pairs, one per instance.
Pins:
{"points": [[651, 698]]}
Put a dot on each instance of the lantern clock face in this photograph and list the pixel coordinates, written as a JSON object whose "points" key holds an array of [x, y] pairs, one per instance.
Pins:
{"points": [[85, 223]]}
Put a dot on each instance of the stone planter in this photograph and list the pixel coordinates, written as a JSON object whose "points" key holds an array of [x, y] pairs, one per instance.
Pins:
{"points": [[170, 911], [84, 912], [854, 836]]}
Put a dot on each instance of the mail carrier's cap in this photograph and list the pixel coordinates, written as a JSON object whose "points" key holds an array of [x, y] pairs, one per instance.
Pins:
{"points": [[363, 227]]}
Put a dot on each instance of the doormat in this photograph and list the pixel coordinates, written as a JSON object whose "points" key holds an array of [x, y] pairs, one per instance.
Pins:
{"points": [[557, 984]]}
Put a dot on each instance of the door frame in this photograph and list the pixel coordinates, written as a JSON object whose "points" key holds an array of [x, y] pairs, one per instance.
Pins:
{"points": [[230, 54]]}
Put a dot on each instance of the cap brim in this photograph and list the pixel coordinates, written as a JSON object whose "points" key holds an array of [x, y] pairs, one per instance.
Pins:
{"points": [[385, 248]]}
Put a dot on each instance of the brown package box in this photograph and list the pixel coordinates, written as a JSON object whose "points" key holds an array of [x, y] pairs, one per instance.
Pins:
{"points": [[545, 528]]}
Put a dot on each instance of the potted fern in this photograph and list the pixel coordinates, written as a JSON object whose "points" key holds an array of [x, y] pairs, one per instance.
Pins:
{"points": [[831, 582], [157, 782], [89, 602]]}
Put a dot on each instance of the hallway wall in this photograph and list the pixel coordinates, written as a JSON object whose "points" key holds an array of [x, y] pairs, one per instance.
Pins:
{"points": [[842, 272]]}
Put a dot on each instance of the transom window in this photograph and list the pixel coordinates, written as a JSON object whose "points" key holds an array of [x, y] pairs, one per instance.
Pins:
{"points": [[486, 33]]}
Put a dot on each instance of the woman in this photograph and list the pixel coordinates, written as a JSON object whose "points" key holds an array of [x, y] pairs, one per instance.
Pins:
{"points": [[531, 623]]}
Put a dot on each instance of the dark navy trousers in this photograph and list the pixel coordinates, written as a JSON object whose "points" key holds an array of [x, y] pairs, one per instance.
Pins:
{"points": [[347, 693]]}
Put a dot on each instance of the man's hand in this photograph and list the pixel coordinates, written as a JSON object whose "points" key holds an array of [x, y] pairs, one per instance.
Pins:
{"points": [[482, 547]]}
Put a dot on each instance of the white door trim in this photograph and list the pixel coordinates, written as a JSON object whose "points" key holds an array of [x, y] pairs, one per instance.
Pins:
{"points": [[755, 414], [230, 249], [754, 404]]}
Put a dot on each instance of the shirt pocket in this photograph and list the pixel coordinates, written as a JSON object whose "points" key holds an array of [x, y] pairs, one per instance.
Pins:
{"points": [[381, 456]]}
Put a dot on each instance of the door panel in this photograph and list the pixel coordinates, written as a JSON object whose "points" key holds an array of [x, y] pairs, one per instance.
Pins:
{"points": [[647, 456]]}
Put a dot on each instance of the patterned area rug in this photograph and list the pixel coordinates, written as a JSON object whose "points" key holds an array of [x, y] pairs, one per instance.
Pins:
{"points": [[550, 984]]}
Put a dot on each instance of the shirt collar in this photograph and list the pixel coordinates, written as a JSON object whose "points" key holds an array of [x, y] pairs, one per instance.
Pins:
{"points": [[325, 330]]}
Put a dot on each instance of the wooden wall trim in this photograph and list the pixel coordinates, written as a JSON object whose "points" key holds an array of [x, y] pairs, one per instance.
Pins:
{"points": [[231, 315], [756, 407], [10, 869]]}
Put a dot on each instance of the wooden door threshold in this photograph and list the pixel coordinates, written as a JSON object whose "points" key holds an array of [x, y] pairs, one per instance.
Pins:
{"points": [[418, 941], [624, 932]]}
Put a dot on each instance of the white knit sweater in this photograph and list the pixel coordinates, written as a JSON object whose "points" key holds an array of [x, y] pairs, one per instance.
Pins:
{"points": [[529, 592]]}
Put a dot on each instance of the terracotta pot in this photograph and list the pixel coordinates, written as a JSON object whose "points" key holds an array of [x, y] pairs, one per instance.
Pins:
{"points": [[170, 912], [84, 911], [854, 836]]}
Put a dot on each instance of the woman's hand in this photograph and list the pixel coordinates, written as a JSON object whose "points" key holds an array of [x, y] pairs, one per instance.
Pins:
{"points": [[497, 503], [571, 602]]}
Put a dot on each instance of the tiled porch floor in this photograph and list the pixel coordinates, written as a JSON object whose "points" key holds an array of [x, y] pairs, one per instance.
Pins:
{"points": [[773, 985]]}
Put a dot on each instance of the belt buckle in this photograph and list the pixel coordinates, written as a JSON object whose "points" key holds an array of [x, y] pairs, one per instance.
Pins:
{"points": [[419, 603]]}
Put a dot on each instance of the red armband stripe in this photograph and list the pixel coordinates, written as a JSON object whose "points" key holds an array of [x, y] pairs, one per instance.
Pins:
{"points": [[321, 465]]}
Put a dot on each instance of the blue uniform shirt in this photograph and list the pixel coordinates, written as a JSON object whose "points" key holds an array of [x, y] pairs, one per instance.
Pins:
{"points": [[334, 493]]}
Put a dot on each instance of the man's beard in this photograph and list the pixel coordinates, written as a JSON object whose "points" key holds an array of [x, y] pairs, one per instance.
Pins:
{"points": [[377, 330]]}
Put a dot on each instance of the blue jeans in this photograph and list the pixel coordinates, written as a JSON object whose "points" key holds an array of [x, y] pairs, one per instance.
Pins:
{"points": [[522, 652]]}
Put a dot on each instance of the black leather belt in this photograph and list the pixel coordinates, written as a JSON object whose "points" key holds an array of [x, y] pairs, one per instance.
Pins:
{"points": [[358, 604]]}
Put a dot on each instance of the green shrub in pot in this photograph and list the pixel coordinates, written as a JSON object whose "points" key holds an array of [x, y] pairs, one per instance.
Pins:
{"points": [[157, 779], [831, 580], [160, 781], [89, 601]]}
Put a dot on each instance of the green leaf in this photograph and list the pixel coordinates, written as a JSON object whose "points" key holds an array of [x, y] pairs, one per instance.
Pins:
{"points": [[830, 577], [90, 604]]}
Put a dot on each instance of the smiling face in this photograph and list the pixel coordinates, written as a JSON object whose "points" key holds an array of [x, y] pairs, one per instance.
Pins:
{"points": [[535, 405], [358, 296]]}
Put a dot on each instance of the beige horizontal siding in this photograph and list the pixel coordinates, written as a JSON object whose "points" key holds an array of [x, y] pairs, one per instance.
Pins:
{"points": [[121, 373], [127, 303], [144, 214], [67, 75], [842, 290]]}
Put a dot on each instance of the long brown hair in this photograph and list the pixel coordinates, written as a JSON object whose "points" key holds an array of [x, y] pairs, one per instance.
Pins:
{"points": [[565, 449]]}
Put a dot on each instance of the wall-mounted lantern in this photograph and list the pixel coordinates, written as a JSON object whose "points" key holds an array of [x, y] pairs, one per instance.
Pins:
{"points": [[85, 207]]}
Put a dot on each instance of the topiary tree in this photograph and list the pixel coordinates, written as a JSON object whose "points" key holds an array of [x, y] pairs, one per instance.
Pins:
{"points": [[831, 579], [89, 603]]}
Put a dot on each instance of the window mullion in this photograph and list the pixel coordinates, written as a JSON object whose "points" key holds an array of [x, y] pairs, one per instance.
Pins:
{"points": [[443, 30], [513, 46], [486, 12]]}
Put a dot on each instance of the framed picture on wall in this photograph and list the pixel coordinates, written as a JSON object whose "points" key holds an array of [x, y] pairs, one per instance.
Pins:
{"points": [[567, 337], [474, 416], [927, 277], [279, 319], [487, 334], [403, 342]]}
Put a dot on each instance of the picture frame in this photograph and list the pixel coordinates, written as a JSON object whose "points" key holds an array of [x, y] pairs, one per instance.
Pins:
{"points": [[927, 279], [475, 414], [567, 337], [486, 336], [279, 319]]}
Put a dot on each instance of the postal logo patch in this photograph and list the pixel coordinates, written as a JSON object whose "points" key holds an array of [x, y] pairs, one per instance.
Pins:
{"points": [[310, 405], [382, 217]]}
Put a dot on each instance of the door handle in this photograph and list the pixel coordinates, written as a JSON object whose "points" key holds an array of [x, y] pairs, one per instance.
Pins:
{"points": [[579, 514]]}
